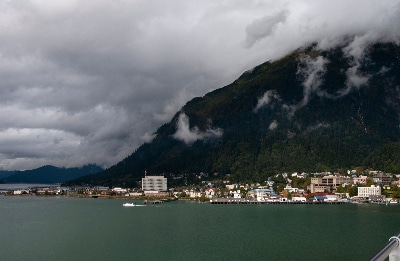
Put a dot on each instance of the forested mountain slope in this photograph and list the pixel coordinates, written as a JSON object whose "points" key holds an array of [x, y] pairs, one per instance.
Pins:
{"points": [[312, 110]]}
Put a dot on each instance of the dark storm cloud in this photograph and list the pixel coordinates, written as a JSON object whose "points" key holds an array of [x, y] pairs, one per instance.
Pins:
{"points": [[89, 81]]}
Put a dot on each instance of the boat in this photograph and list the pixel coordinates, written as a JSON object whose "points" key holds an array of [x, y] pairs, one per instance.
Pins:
{"points": [[132, 205]]}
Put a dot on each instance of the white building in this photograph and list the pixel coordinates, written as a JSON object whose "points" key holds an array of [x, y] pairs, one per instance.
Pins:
{"points": [[231, 187], [368, 191], [299, 199], [210, 192], [193, 193], [263, 193], [360, 180], [289, 189], [330, 198], [236, 194], [154, 183], [119, 190]]}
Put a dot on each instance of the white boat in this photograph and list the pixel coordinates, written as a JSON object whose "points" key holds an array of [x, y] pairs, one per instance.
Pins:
{"points": [[129, 204], [132, 205]]}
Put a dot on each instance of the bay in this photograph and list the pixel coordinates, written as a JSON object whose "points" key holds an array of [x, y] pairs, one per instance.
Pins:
{"points": [[62, 228]]}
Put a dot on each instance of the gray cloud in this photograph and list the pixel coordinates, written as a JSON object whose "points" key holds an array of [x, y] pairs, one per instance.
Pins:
{"points": [[263, 27], [312, 70], [87, 81], [266, 99]]}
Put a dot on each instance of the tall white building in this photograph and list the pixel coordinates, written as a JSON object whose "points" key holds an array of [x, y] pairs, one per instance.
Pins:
{"points": [[154, 183], [368, 191]]}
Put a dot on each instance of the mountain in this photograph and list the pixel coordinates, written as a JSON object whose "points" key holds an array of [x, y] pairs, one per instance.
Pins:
{"points": [[51, 174], [4, 174], [312, 110]]}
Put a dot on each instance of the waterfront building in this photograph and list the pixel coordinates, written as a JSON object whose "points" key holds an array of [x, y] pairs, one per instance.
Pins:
{"points": [[330, 198], [366, 192], [377, 198], [193, 193], [299, 199], [210, 192], [328, 183], [154, 183], [382, 178], [236, 194], [262, 194]]}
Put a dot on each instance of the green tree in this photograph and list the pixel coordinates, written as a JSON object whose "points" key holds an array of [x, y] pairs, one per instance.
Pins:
{"points": [[203, 198], [353, 191], [370, 182], [280, 188], [359, 170]]}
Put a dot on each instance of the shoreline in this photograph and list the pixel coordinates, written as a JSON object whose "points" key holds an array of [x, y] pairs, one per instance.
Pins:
{"points": [[213, 201]]}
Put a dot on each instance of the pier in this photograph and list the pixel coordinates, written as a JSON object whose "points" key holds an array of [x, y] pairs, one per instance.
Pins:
{"points": [[242, 201]]}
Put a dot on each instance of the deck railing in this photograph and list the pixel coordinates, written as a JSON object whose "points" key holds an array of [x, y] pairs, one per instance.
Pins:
{"points": [[391, 250]]}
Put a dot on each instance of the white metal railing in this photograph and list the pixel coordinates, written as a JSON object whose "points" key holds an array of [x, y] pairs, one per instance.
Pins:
{"points": [[391, 250]]}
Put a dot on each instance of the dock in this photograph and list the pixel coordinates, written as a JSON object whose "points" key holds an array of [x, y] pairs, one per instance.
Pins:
{"points": [[242, 201]]}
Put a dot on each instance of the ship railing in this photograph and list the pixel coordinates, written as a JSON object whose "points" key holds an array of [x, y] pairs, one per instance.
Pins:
{"points": [[391, 250]]}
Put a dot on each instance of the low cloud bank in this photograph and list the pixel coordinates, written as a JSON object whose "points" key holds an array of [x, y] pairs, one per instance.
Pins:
{"points": [[311, 71], [97, 75], [189, 135]]}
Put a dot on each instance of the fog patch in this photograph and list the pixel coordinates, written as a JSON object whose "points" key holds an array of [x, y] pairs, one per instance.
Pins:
{"points": [[311, 70], [189, 135], [273, 125], [148, 137], [266, 99], [316, 127]]}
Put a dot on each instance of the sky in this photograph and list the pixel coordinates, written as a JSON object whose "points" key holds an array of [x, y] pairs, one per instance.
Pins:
{"points": [[88, 82]]}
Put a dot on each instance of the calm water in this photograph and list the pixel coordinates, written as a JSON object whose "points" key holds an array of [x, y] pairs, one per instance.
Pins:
{"points": [[51, 228]]}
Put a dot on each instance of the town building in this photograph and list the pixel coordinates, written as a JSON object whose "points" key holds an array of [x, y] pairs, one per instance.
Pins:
{"points": [[193, 193], [262, 194], [382, 178], [154, 184], [366, 192], [360, 180], [299, 199], [236, 194], [290, 189], [328, 183], [210, 192], [377, 198], [119, 190]]}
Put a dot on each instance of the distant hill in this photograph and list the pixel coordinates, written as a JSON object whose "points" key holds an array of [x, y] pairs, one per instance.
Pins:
{"points": [[312, 110], [4, 174], [51, 174]]}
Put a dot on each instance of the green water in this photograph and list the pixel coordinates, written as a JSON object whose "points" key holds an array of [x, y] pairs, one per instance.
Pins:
{"points": [[49, 228]]}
